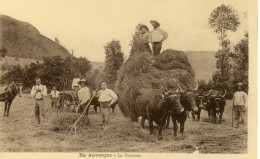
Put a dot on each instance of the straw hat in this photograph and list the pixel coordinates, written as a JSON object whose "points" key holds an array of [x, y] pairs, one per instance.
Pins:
{"points": [[156, 23], [83, 80]]}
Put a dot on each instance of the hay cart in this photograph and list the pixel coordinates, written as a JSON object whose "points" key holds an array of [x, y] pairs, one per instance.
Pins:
{"points": [[68, 99]]}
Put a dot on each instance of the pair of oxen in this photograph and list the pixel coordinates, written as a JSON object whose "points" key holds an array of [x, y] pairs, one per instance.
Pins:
{"points": [[159, 105], [212, 102]]}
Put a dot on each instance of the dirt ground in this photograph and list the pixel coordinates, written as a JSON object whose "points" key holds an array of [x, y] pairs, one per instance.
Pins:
{"points": [[15, 136]]}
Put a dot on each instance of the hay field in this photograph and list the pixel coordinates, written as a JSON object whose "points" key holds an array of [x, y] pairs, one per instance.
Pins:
{"points": [[120, 136]]}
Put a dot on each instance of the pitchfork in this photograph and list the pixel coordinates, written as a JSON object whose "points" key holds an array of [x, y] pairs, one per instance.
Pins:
{"points": [[73, 127], [29, 122]]}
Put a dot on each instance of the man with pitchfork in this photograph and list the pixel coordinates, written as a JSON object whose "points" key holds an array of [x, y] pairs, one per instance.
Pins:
{"points": [[39, 91], [83, 95]]}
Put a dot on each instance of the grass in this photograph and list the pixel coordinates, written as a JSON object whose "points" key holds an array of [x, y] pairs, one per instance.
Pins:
{"points": [[120, 136]]}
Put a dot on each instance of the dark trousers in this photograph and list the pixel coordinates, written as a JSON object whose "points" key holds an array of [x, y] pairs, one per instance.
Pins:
{"points": [[157, 46]]}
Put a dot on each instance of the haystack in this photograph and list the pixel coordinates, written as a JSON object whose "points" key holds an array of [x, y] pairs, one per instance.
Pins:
{"points": [[62, 122], [143, 71]]}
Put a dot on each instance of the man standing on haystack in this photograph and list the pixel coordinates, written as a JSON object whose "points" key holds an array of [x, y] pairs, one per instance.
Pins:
{"points": [[39, 91], [83, 95], [239, 103], [106, 98], [157, 36], [144, 37]]}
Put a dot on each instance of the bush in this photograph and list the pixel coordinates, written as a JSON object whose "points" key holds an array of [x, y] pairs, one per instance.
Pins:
{"points": [[49, 71]]}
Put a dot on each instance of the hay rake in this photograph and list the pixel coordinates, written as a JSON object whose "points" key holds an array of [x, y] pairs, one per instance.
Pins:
{"points": [[73, 127]]}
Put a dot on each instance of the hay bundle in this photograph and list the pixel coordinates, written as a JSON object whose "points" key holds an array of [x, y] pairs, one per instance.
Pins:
{"points": [[127, 131], [143, 71], [62, 122]]}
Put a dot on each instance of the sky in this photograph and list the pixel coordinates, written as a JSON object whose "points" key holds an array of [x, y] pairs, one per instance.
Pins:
{"points": [[86, 26]]}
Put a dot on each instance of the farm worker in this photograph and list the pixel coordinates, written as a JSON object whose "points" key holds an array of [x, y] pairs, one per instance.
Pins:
{"points": [[83, 95], [157, 36], [145, 39], [39, 91], [54, 97], [239, 103], [75, 85], [106, 98]]}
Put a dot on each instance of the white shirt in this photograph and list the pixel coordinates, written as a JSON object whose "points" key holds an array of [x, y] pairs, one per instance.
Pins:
{"points": [[158, 35], [39, 95], [107, 95], [55, 94], [75, 82], [239, 98], [83, 95]]}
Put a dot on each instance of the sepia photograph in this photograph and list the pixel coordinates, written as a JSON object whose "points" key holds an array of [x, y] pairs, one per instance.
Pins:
{"points": [[128, 79]]}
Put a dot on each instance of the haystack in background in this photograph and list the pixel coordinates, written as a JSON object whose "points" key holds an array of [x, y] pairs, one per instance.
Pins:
{"points": [[143, 71], [62, 122]]}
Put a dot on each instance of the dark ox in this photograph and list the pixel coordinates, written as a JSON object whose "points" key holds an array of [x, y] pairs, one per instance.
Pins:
{"points": [[9, 94], [96, 104], [217, 106], [155, 105], [187, 100], [201, 101]]}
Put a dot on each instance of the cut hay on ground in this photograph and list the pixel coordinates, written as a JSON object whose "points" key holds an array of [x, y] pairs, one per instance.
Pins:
{"points": [[126, 131], [62, 122], [143, 71]]}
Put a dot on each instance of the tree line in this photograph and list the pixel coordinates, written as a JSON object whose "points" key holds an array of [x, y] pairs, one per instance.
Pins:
{"points": [[51, 68], [231, 64]]}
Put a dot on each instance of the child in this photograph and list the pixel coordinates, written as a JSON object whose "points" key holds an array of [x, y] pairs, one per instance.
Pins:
{"points": [[54, 97]]}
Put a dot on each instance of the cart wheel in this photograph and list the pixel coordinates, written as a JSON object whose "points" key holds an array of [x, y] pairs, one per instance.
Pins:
{"points": [[68, 103]]}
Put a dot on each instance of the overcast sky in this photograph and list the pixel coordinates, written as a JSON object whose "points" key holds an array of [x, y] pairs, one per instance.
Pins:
{"points": [[87, 25]]}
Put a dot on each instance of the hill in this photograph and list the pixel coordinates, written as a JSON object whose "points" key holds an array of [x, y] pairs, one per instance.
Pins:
{"points": [[21, 39], [203, 63]]}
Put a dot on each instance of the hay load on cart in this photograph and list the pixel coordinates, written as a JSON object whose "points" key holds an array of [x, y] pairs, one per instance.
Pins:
{"points": [[144, 71]]}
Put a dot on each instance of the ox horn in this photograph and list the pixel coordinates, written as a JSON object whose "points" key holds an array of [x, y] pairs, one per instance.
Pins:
{"points": [[224, 94], [197, 87]]}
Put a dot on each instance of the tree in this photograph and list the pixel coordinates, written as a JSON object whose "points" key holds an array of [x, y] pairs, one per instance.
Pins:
{"points": [[114, 60], [80, 65], [222, 19], [239, 63]]}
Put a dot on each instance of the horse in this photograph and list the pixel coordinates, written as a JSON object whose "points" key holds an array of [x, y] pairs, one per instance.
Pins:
{"points": [[9, 94]]}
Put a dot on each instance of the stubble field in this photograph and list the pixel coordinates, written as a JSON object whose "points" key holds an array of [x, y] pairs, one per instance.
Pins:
{"points": [[120, 136]]}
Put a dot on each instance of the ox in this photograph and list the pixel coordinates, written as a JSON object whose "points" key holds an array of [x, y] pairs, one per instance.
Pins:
{"points": [[96, 104], [201, 102], [187, 100], [217, 106], [155, 105]]}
